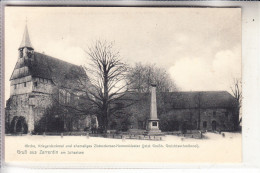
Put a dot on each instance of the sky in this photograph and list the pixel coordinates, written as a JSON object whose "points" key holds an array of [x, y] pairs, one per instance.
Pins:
{"points": [[199, 47]]}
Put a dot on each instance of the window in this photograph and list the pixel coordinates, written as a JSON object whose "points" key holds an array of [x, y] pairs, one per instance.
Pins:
{"points": [[15, 86], [214, 113], [154, 123], [24, 84], [205, 124], [35, 84]]}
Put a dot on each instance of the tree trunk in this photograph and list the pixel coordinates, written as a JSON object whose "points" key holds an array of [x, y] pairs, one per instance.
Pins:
{"points": [[105, 121], [105, 101]]}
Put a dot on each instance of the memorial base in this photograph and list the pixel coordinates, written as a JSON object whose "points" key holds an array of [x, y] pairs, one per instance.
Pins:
{"points": [[153, 128], [154, 133]]}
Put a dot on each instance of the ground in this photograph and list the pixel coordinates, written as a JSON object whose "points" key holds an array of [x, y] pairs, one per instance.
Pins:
{"points": [[214, 148]]}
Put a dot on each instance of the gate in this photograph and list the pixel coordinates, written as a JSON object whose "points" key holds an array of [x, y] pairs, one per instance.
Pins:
{"points": [[19, 125]]}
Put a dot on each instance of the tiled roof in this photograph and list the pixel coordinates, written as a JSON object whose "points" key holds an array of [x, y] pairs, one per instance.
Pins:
{"points": [[44, 66], [187, 100], [202, 99]]}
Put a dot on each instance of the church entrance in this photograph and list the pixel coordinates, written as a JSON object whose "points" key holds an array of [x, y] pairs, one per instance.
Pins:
{"points": [[214, 125], [19, 125]]}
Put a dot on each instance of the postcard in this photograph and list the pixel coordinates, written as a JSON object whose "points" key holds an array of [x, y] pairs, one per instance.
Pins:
{"points": [[122, 85]]}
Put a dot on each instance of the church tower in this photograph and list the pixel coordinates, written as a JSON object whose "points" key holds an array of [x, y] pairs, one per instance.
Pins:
{"points": [[25, 49], [21, 74], [19, 110]]}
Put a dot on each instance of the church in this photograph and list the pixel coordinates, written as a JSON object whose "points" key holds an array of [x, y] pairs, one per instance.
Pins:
{"points": [[37, 83]]}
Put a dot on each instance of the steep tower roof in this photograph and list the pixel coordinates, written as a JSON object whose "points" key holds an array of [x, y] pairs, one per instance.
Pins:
{"points": [[26, 39]]}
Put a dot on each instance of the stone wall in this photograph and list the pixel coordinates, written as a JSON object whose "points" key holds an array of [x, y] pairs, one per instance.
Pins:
{"points": [[30, 106], [222, 117], [42, 85], [39, 103], [18, 105]]}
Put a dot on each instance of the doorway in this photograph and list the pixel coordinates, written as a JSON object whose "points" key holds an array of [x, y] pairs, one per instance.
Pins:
{"points": [[19, 125]]}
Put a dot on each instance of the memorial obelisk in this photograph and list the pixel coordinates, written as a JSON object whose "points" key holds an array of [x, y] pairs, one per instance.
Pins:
{"points": [[153, 122]]}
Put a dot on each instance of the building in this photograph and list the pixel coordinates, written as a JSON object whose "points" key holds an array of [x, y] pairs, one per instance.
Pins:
{"points": [[37, 83], [181, 111]]}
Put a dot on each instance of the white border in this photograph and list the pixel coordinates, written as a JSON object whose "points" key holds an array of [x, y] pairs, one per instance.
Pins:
{"points": [[251, 93]]}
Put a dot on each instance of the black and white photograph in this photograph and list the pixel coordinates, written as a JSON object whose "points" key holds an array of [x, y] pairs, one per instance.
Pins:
{"points": [[119, 84]]}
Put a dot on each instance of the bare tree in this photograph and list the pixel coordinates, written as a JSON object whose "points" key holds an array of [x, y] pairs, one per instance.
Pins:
{"points": [[107, 76], [236, 89], [141, 76]]}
